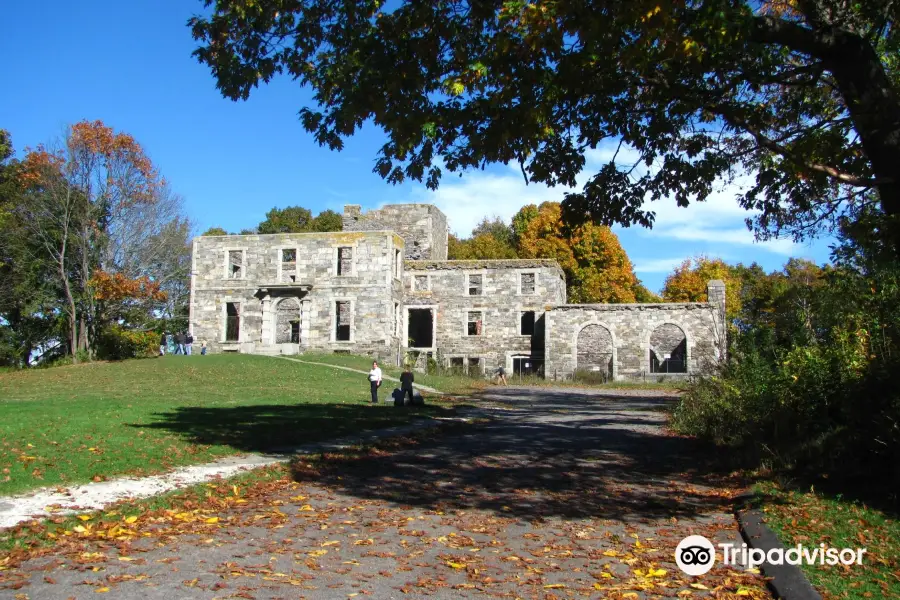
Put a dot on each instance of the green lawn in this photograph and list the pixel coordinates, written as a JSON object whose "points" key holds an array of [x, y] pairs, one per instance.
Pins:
{"points": [[456, 384], [811, 518], [73, 424], [449, 384]]}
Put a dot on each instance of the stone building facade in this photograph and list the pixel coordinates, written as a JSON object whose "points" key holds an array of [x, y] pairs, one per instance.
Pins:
{"points": [[477, 315], [384, 287], [285, 293]]}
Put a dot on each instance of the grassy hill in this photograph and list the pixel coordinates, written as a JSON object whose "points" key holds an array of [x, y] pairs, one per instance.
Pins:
{"points": [[90, 422]]}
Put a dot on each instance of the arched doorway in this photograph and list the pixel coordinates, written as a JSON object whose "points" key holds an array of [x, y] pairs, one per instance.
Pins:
{"points": [[594, 349], [668, 349], [287, 322]]}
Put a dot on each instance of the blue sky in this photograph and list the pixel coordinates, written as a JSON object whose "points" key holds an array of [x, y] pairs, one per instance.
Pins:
{"points": [[129, 64]]}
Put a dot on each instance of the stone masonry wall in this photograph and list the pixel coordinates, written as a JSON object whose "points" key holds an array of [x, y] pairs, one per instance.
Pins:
{"points": [[372, 286], [423, 227], [500, 305], [631, 327]]}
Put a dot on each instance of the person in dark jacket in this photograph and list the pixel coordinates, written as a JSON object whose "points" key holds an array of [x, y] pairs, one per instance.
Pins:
{"points": [[179, 343], [162, 345], [188, 343], [406, 385]]}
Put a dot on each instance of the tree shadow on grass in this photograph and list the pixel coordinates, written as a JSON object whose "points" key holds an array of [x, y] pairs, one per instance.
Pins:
{"points": [[277, 428], [564, 453]]}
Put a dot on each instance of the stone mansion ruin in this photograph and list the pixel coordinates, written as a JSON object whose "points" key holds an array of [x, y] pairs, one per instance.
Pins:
{"points": [[383, 286]]}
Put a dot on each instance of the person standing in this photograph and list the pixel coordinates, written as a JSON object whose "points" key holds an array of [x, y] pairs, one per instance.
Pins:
{"points": [[203, 348], [162, 345], [179, 343], [374, 381], [406, 385], [188, 343]]}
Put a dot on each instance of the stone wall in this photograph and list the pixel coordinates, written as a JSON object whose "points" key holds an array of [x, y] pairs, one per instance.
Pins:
{"points": [[577, 336], [423, 227], [372, 286], [445, 287]]}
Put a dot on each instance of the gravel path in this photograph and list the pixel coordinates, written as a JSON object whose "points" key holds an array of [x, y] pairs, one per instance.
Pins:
{"points": [[566, 494]]}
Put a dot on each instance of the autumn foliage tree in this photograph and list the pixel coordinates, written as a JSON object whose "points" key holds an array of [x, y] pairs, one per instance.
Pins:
{"points": [[596, 266], [84, 201], [687, 283], [492, 239]]}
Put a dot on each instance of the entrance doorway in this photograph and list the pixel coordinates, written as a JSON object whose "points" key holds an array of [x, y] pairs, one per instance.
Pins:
{"points": [[420, 327]]}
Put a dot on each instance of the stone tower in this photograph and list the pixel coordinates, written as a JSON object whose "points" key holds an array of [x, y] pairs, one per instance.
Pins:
{"points": [[423, 227]]}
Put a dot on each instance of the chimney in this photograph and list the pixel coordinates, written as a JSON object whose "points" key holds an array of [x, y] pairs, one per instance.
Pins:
{"points": [[715, 295]]}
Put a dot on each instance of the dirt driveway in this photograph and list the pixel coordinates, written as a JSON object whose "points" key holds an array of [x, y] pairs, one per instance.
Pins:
{"points": [[564, 494]]}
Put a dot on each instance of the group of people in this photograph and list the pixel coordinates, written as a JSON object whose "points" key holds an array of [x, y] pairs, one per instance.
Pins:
{"points": [[406, 383], [407, 379], [181, 343]]}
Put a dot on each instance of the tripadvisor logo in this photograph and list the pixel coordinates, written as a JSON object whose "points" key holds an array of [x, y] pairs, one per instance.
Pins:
{"points": [[696, 555]]}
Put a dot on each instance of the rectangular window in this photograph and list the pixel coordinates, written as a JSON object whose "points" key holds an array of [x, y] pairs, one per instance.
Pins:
{"points": [[474, 322], [342, 321], [457, 363], [526, 325], [288, 265], [235, 264], [474, 366], [345, 261], [396, 318], [232, 321], [474, 285], [420, 283], [526, 285], [398, 264]]}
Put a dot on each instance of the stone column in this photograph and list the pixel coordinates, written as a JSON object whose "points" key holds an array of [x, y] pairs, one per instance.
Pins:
{"points": [[305, 329], [715, 295], [268, 322]]}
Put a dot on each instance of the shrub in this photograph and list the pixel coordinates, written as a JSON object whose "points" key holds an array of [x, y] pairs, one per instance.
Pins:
{"points": [[118, 343]]}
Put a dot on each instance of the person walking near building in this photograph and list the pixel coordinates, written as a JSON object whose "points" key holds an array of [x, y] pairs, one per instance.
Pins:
{"points": [[162, 345], [188, 342], [500, 375], [179, 343], [375, 381], [406, 385]]}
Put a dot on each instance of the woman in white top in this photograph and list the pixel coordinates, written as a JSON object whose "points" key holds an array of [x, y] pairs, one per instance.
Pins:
{"points": [[375, 381]]}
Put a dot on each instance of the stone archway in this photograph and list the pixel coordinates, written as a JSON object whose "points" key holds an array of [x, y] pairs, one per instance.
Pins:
{"points": [[594, 350], [287, 321], [668, 349]]}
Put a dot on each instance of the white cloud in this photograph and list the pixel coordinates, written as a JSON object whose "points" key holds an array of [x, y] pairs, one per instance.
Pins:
{"points": [[502, 192], [476, 195], [657, 265]]}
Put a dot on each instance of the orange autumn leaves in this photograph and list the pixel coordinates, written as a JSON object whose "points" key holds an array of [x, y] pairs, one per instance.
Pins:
{"points": [[102, 164], [596, 266], [115, 287]]}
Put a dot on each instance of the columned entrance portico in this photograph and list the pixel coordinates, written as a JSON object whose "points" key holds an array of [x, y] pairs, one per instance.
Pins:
{"points": [[285, 317]]}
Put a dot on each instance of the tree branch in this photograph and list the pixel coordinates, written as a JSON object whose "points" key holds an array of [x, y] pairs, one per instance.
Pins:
{"points": [[773, 146]]}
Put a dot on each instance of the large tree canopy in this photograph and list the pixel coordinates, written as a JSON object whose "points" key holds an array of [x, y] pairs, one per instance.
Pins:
{"points": [[803, 94]]}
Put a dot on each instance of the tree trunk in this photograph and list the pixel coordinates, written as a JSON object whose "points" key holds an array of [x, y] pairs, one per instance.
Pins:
{"points": [[874, 107], [73, 320], [869, 94]]}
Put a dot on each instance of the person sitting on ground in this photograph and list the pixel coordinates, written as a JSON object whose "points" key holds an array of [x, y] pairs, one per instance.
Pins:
{"points": [[500, 375], [406, 385], [375, 381]]}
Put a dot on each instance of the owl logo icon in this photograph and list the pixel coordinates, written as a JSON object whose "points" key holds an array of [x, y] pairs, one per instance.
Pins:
{"points": [[695, 555]]}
